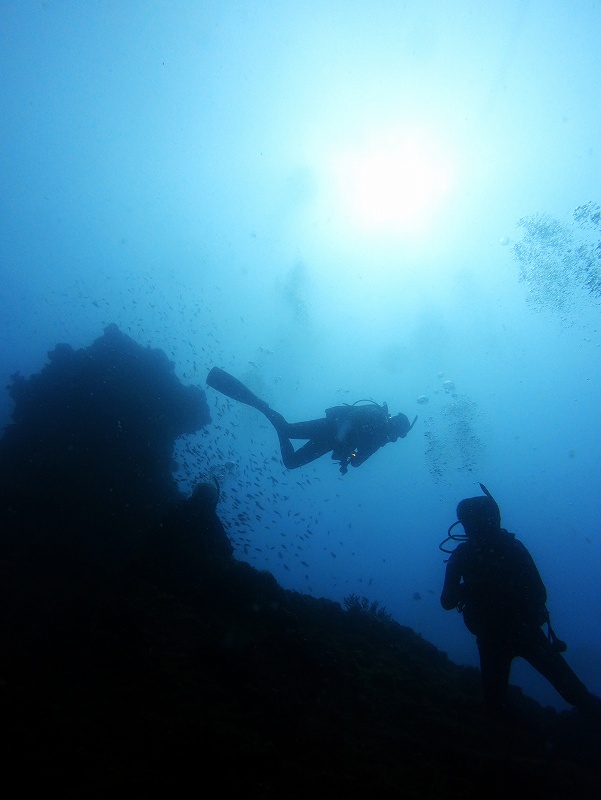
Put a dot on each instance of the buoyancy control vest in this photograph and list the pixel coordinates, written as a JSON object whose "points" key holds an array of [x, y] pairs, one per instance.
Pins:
{"points": [[357, 426], [502, 585]]}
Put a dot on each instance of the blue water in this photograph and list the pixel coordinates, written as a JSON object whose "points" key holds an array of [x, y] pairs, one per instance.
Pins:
{"points": [[323, 199]]}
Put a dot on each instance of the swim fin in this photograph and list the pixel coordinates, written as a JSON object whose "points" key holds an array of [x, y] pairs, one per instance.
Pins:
{"points": [[231, 387]]}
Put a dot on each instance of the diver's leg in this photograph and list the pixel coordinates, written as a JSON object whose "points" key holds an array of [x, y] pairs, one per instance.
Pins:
{"points": [[537, 651], [311, 429], [314, 448], [318, 431]]}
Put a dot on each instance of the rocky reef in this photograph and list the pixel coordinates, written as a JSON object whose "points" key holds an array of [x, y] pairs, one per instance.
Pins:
{"points": [[139, 655], [88, 455]]}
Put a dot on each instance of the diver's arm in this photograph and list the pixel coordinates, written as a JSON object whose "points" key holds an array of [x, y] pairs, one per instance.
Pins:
{"points": [[357, 457], [452, 591]]}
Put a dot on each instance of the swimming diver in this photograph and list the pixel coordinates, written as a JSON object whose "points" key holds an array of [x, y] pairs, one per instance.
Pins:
{"points": [[352, 433]]}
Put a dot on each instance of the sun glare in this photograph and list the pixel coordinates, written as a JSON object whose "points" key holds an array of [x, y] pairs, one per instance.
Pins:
{"points": [[393, 185]]}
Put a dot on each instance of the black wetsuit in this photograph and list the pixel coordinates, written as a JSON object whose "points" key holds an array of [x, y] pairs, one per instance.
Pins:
{"points": [[352, 433], [494, 581]]}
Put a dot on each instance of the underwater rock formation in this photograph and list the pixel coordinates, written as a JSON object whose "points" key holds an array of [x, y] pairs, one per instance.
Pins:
{"points": [[91, 442], [138, 655], [189, 544]]}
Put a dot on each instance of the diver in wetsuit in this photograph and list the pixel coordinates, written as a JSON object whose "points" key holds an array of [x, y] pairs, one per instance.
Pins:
{"points": [[492, 579], [351, 432]]}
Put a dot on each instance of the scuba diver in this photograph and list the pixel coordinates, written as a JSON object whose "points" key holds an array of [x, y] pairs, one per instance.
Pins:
{"points": [[492, 579], [352, 432]]}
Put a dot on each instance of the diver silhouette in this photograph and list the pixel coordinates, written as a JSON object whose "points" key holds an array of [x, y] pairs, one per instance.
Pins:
{"points": [[492, 579], [352, 433]]}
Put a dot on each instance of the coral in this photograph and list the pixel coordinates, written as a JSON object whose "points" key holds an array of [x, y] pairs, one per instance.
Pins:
{"points": [[361, 605], [92, 438]]}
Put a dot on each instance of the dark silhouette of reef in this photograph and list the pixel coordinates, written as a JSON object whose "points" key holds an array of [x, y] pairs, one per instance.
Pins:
{"points": [[89, 452], [138, 654]]}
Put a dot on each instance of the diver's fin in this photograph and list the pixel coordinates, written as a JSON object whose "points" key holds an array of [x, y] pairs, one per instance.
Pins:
{"points": [[232, 387]]}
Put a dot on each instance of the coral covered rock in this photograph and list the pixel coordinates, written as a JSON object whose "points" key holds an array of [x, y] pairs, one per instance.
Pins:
{"points": [[91, 442]]}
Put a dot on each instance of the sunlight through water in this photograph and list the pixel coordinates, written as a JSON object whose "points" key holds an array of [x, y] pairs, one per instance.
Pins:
{"points": [[392, 185]]}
